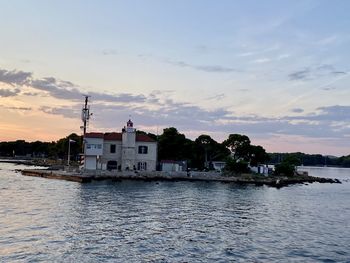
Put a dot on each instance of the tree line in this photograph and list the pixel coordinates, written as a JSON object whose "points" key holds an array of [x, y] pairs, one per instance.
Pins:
{"points": [[237, 151], [172, 145], [39, 149], [299, 158]]}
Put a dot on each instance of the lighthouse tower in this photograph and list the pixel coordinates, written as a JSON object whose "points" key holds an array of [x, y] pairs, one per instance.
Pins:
{"points": [[128, 146]]}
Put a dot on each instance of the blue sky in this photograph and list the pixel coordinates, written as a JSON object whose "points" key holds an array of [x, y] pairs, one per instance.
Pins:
{"points": [[277, 71]]}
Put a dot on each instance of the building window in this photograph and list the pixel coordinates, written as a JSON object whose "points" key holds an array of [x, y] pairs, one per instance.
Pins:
{"points": [[141, 166], [112, 149], [93, 146], [143, 149]]}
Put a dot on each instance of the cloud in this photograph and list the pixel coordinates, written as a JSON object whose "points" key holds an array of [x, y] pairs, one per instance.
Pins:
{"points": [[71, 112], [166, 112], [9, 92], [261, 60], [339, 72], [16, 108], [59, 89], [246, 54], [109, 52], [68, 91], [325, 122], [217, 97], [14, 77], [328, 88], [283, 56], [333, 113], [118, 98], [31, 94], [206, 68], [328, 40], [214, 68], [183, 64], [243, 90], [159, 109], [300, 75], [315, 72], [297, 110]]}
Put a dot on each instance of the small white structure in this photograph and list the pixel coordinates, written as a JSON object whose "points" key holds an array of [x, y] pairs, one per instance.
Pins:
{"points": [[173, 166], [218, 165], [123, 151], [260, 169]]}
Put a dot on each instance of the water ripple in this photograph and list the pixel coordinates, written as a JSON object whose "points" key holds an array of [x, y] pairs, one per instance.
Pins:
{"points": [[56, 221]]}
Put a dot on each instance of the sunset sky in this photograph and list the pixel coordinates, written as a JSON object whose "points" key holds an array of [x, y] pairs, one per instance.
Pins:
{"points": [[277, 71]]}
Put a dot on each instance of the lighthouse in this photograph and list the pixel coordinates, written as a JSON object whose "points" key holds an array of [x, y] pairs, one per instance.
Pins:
{"points": [[128, 146]]}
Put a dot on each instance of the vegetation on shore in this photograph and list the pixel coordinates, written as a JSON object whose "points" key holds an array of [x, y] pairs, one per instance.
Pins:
{"points": [[310, 159], [236, 150]]}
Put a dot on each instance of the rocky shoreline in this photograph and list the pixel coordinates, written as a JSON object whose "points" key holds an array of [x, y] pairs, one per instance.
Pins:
{"points": [[244, 179]]}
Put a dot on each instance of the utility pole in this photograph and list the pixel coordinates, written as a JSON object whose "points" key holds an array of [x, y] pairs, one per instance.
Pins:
{"points": [[85, 116]]}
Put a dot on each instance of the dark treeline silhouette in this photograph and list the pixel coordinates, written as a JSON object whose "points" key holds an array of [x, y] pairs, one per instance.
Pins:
{"points": [[172, 145], [299, 158], [58, 149]]}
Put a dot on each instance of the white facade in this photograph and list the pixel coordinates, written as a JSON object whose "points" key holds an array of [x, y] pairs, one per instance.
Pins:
{"points": [[120, 151], [218, 166], [173, 166]]}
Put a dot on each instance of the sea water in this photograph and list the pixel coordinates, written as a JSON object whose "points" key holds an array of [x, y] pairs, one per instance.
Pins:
{"points": [[43, 220]]}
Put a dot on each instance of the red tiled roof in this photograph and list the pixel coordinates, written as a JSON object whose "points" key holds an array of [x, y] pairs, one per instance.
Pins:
{"points": [[94, 135], [113, 136], [143, 138], [117, 136]]}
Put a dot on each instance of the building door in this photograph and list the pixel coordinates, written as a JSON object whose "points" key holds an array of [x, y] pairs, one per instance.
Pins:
{"points": [[112, 165]]}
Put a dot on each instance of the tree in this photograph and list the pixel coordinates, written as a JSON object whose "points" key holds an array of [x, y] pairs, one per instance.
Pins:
{"points": [[236, 166], [285, 168], [206, 150], [174, 146], [61, 147], [239, 146], [258, 155], [292, 159], [205, 145]]}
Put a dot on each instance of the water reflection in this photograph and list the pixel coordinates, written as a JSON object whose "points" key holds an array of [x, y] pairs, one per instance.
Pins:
{"points": [[128, 221]]}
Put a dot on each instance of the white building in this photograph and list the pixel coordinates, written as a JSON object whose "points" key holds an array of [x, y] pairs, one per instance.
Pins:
{"points": [[123, 151], [173, 166], [218, 165]]}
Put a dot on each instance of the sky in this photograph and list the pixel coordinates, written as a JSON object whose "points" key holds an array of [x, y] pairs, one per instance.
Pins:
{"points": [[277, 71]]}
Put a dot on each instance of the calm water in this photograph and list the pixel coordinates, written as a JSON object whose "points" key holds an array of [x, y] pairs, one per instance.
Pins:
{"points": [[57, 221]]}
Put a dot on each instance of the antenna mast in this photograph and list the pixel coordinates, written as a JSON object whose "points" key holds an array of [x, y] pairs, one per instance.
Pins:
{"points": [[85, 114]]}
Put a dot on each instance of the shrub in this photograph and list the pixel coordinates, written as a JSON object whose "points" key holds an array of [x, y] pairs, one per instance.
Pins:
{"points": [[236, 166], [285, 168]]}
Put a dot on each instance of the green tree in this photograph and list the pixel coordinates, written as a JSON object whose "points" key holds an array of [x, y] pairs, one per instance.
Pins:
{"points": [[285, 168], [61, 147], [208, 150], [292, 159], [236, 166], [258, 155], [239, 146], [174, 145], [288, 166]]}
